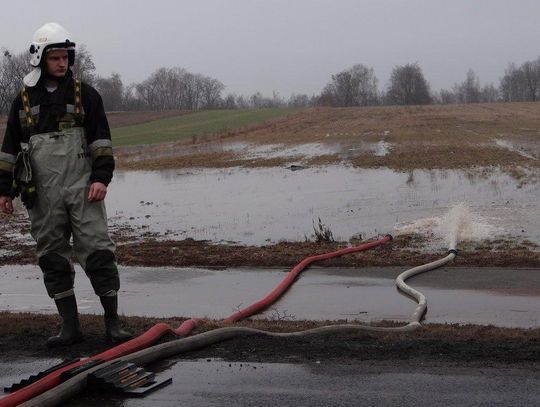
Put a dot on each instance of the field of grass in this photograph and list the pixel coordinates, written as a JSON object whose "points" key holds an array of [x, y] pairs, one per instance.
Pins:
{"points": [[189, 125], [475, 136]]}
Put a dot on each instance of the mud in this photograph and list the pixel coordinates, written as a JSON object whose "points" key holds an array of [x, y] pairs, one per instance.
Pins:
{"points": [[189, 252], [23, 335]]}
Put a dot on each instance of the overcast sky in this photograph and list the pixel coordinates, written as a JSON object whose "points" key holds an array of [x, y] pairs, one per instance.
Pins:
{"points": [[288, 46]]}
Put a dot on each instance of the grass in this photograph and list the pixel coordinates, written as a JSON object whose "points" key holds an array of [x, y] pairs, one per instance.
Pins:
{"points": [[193, 124], [420, 137]]}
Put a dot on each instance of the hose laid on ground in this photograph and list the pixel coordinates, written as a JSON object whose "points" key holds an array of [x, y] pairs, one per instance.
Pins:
{"points": [[152, 335], [71, 387]]}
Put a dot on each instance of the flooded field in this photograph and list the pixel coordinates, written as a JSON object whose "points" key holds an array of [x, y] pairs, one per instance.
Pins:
{"points": [[263, 205]]}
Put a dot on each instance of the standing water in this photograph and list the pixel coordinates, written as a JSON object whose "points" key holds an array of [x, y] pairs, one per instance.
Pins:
{"points": [[258, 206]]}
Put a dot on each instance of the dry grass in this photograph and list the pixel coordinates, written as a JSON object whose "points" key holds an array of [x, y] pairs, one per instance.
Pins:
{"points": [[421, 137]]}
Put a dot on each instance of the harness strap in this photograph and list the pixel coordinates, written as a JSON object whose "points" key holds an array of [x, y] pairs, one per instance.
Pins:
{"points": [[29, 120], [74, 113], [78, 99]]}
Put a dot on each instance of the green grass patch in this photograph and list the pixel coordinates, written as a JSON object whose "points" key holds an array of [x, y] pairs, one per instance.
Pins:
{"points": [[193, 124]]}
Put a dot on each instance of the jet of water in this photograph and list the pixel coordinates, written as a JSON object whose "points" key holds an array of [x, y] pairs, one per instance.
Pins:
{"points": [[456, 225]]}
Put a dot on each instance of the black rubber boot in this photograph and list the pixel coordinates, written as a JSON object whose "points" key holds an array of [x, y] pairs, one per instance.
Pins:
{"points": [[114, 331], [71, 331]]}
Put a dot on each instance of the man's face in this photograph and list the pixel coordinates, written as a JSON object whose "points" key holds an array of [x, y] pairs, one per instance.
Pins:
{"points": [[56, 62]]}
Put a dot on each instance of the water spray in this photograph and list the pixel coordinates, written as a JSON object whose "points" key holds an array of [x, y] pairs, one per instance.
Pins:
{"points": [[458, 224]]}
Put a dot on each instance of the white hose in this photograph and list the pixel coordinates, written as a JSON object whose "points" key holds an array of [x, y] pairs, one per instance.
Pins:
{"points": [[71, 387]]}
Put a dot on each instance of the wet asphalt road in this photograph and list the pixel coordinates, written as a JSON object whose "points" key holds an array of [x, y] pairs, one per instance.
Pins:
{"points": [[219, 383]]}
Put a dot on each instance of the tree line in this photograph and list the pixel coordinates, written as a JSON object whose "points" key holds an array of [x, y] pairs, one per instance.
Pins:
{"points": [[177, 88]]}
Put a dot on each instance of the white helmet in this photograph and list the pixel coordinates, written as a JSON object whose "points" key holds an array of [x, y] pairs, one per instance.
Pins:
{"points": [[48, 37]]}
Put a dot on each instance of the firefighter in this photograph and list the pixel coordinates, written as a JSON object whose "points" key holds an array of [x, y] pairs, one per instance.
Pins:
{"points": [[57, 155]]}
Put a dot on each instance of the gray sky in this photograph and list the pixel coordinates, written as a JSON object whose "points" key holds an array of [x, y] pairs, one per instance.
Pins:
{"points": [[288, 45]]}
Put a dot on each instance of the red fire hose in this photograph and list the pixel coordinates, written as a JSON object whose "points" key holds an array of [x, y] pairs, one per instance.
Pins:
{"points": [[157, 331]]}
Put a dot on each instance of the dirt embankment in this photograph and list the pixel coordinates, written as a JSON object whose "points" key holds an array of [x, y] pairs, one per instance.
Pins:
{"points": [[24, 335]]}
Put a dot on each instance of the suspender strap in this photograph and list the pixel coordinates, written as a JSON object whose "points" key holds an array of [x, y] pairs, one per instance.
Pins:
{"points": [[78, 100], [29, 119]]}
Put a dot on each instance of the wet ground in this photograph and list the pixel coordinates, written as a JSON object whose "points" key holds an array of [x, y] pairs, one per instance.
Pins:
{"points": [[210, 382], [203, 383], [486, 156], [483, 296]]}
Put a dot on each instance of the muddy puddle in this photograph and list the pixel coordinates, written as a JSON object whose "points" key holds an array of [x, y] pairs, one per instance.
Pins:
{"points": [[259, 206], [508, 298]]}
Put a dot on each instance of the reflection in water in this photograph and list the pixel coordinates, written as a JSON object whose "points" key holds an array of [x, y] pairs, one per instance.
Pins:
{"points": [[257, 206], [478, 296]]}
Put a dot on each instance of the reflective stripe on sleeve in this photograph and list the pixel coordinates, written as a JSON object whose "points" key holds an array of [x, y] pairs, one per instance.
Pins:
{"points": [[101, 152], [9, 158], [7, 161], [5, 166], [100, 144]]}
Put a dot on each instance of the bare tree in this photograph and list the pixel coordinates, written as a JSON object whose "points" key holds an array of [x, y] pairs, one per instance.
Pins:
{"points": [[531, 75], [489, 94], [229, 102], [469, 90], [130, 101], [447, 97], [513, 86], [408, 86], [146, 92], [356, 86], [299, 100], [84, 68], [191, 91], [111, 90], [258, 101], [211, 92], [13, 68], [176, 88], [242, 102]]}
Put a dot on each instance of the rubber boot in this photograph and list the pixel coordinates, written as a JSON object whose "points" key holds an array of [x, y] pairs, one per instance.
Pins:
{"points": [[70, 332], [113, 330]]}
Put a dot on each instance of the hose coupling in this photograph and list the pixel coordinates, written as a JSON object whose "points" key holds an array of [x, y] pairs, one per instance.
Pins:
{"points": [[389, 236], [450, 251]]}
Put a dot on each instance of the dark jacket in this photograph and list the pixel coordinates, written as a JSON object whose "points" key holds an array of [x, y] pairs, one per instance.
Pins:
{"points": [[52, 107]]}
